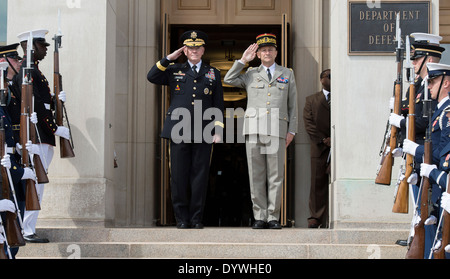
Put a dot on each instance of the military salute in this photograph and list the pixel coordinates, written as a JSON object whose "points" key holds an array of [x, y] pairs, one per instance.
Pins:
{"points": [[270, 125], [195, 87]]}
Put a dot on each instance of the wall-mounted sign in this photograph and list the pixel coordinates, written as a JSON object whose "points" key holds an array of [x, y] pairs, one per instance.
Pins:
{"points": [[372, 28]]}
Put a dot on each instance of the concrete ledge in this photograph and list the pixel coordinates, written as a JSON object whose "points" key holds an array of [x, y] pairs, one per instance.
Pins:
{"points": [[210, 251]]}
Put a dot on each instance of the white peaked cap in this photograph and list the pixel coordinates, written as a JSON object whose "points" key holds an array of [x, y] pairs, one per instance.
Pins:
{"points": [[36, 34], [438, 67], [430, 38], [4, 65]]}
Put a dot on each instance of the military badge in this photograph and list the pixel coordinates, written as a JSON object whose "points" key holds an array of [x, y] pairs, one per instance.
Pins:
{"points": [[418, 98], [434, 123], [206, 91], [177, 88], [282, 80], [446, 161], [211, 75]]}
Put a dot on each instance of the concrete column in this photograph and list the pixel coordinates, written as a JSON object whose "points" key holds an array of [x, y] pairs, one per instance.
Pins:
{"points": [[137, 135], [310, 57]]}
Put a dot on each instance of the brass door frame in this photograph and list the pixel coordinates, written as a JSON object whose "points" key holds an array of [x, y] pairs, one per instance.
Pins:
{"points": [[165, 204]]}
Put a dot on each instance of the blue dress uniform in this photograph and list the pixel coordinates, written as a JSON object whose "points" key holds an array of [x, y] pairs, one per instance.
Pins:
{"points": [[424, 46], [16, 169], [439, 176], [440, 137], [191, 95]]}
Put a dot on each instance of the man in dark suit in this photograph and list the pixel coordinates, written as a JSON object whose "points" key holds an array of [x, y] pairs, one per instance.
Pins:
{"points": [[196, 98], [316, 116]]}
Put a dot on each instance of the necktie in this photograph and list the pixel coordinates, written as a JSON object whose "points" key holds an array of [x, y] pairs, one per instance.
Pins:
{"points": [[269, 74], [194, 68], [329, 99]]}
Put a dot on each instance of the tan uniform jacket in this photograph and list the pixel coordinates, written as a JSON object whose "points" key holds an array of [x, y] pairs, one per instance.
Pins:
{"points": [[264, 96]]}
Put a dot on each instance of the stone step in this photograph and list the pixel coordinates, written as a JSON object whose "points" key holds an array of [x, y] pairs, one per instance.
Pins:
{"points": [[216, 243]]}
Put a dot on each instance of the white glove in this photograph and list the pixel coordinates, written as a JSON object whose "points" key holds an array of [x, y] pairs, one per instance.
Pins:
{"points": [[391, 103], [395, 120], [7, 205], [413, 179], [432, 220], [33, 118], [398, 152], [32, 148], [445, 201], [437, 245], [62, 96], [417, 220], [6, 161], [63, 132], [425, 169], [447, 248], [28, 174], [410, 147], [19, 148]]}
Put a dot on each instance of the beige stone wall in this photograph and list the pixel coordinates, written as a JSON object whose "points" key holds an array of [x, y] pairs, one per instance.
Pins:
{"points": [[80, 187], [362, 86]]}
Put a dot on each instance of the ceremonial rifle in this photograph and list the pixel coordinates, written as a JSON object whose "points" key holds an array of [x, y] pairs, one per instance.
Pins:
{"points": [[384, 172], [444, 226], [31, 198], [3, 255], [401, 203], [417, 248], [66, 146], [13, 231]]}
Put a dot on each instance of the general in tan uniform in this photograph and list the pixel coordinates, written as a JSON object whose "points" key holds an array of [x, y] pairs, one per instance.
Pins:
{"points": [[269, 127]]}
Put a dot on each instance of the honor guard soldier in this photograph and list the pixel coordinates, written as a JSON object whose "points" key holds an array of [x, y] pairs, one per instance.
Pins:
{"points": [[11, 160], [270, 124], [439, 86], [44, 108], [426, 50], [195, 87]]}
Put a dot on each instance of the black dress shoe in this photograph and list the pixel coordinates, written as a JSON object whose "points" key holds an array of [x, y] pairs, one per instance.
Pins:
{"points": [[274, 225], [35, 239], [198, 226], [183, 226], [258, 225], [402, 242], [313, 223]]}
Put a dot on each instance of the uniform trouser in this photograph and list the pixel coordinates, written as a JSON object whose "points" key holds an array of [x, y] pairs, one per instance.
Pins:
{"points": [[430, 230], [266, 157], [30, 217], [189, 166], [318, 196]]}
